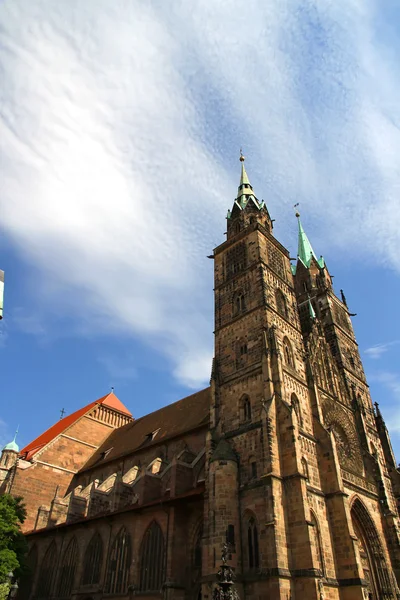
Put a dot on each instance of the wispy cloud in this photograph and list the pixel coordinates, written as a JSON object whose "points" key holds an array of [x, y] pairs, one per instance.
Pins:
{"points": [[118, 368], [118, 149], [378, 350]]}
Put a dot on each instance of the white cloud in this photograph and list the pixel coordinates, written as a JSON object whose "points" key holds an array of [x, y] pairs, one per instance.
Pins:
{"points": [[378, 350], [119, 126]]}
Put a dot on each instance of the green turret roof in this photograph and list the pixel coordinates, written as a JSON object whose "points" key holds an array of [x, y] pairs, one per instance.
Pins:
{"points": [[12, 445], [305, 251]]}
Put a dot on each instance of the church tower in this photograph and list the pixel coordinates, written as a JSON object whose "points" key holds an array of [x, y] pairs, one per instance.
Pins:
{"points": [[297, 481]]}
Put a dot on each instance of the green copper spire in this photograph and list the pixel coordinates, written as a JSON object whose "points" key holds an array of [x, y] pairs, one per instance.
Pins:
{"points": [[243, 177], [13, 445], [245, 189], [305, 251]]}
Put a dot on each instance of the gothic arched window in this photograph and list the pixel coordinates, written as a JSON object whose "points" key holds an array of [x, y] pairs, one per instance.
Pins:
{"points": [[304, 468], [281, 304], [46, 575], [296, 407], [119, 563], [93, 561], [26, 582], [316, 541], [152, 559], [288, 352], [246, 408], [197, 552], [252, 544], [67, 570], [239, 304]]}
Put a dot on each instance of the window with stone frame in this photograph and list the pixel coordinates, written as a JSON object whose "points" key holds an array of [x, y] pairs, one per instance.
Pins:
{"points": [[281, 304], [275, 261], [152, 559], [46, 574], [253, 552], [236, 259], [253, 467], [198, 550], [239, 303], [119, 562], [316, 542], [296, 407], [304, 468], [67, 570], [246, 409], [93, 561], [288, 353], [241, 354]]}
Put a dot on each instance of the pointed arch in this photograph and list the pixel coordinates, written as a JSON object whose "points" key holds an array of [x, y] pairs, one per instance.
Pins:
{"points": [[281, 304], [238, 303], [26, 583], [288, 352], [152, 559], [372, 556], [253, 550], [67, 570], [316, 541], [246, 408], [47, 571], [93, 560], [296, 407], [119, 562], [198, 549], [304, 468]]}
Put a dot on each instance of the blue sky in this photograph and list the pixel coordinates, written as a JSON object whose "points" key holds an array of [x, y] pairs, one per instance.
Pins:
{"points": [[120, 129]]}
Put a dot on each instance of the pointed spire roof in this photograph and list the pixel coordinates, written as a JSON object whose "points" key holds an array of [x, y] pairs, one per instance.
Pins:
{"points": [[245, 194], [245, 188], [305, 251]]}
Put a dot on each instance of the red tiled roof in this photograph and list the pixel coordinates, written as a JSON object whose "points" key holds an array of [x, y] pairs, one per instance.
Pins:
{"points": [[50, 434], [170, 421]]}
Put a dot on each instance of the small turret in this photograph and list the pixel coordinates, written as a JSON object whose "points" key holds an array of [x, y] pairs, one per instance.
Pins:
{"points": [[9, 454]]}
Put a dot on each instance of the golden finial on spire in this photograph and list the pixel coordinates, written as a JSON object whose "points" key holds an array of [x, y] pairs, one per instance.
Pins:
{"points": [[241, 156], [297, 212]]}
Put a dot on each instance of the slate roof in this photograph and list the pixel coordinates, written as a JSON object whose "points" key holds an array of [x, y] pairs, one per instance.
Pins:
{"points": [[170, 421], [50, 434]]}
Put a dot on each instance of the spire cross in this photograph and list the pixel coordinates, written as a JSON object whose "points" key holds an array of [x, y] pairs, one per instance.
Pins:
{"points": [[62, 413], [294, 208]]}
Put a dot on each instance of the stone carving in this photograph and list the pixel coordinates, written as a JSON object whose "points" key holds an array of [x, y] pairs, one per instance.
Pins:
{"points": [[340, 422]]}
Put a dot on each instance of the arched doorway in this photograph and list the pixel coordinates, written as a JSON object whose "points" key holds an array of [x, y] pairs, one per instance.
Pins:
{"points": [[372, 557]]}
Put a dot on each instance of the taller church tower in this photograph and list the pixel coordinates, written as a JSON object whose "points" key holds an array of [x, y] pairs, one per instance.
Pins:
{"points": [[301, 477]]}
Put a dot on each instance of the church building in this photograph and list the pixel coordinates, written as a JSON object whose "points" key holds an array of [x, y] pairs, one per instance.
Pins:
{"points": [[284, 457]]}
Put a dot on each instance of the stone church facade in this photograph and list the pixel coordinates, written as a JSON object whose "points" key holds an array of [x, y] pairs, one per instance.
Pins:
{"points": [[283, 456]]}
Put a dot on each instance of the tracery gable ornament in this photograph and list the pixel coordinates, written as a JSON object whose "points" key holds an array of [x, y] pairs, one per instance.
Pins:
{"points": [[338, 421]]}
